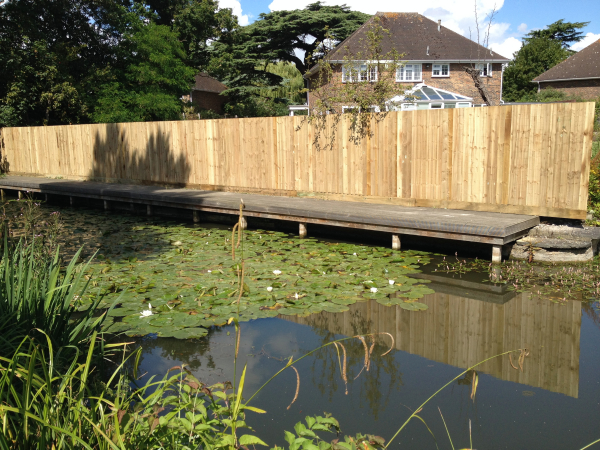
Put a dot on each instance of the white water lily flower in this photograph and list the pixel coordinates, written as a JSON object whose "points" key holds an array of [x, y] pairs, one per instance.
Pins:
{"points": [[146, 313], [277, 272], [373, 290], [392, 282], [353, 254], [296, 296], [149, 306], [270, 288], [209, 271]]}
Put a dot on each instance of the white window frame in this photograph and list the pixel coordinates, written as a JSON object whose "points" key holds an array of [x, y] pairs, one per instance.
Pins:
{"points": [[485, 69], [362, 73], [436, 103], [440, 69], [408, 107], [346, 108], [403, 70], [462, 105]]}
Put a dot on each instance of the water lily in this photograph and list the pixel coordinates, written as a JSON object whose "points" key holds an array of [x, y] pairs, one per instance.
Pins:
{"points": [[270, 288], [277, 272], [146, 313], [391, 282], [353, 254], [149, 306], [373, 290], [209, 271], [296, 296]]}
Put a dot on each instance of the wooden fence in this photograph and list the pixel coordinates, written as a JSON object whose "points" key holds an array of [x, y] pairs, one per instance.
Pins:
{"points": [[531, 159]]}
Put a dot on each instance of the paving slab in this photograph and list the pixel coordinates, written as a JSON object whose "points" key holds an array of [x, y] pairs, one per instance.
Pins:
{"points": [[472, 226]]}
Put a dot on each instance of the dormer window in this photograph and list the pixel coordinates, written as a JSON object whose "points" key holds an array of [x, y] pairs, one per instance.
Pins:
{"points": [[485, 69], [441, 70], [359, 73], [409, 72]]}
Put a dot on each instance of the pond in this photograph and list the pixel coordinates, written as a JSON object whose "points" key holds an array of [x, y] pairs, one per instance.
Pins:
{"points": [[552, 403]]}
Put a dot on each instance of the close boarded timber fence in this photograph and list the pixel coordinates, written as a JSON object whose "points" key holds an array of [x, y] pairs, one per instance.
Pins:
{"points": [[528, 159]]}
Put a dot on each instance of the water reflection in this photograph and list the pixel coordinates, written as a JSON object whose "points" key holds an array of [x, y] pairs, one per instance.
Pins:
{"points": [[462, 331]]}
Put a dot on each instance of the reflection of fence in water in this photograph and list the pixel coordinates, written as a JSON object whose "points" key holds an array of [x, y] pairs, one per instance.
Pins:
{"points": [[462, 331]]}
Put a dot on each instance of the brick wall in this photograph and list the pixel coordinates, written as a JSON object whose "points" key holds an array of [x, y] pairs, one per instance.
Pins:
{"points": [[209, 100], [458, 82], [588, 89]]}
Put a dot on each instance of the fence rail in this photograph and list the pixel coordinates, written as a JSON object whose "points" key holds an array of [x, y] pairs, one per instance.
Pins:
{"points": [[530, 159]]}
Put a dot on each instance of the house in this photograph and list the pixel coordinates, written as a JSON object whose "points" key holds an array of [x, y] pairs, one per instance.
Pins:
{"points": [[578, 75], [435, 60], [205, 93]]}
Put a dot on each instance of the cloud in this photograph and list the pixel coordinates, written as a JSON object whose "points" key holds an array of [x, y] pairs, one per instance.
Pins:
{"points": [[522, 28], [236, 8], [589, 38], [507, 47]]}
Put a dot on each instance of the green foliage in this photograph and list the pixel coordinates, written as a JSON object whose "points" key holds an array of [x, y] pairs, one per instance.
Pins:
{"points": [[152, 82], [37, 295], [255, 61], [567, 33], [76, 61], [535, 57], [276, 35]]}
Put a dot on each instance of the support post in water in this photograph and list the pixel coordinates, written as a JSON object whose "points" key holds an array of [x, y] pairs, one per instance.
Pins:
{"points": [[196, 216], [395, 242], [106, 205], [2, 194], [148, 210], [46, 198], [243, 223], [19, 194], [71, 200], [302, 232], [496, 254]]}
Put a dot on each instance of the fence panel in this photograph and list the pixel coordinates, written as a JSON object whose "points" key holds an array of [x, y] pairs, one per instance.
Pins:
{"points": [[532, 159]]}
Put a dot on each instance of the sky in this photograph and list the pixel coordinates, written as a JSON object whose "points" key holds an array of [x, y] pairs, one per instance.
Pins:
{"points": [[513, 19]]}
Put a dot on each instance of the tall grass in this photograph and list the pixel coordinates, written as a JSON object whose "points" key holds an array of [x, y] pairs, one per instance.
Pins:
{"points": [[37, 294]]}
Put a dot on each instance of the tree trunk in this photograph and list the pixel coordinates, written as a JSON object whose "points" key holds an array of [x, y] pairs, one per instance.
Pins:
{"points": [[480, 85]]}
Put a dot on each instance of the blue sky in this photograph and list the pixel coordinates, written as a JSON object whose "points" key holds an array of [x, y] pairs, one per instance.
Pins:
{"points": [[514, 18]]}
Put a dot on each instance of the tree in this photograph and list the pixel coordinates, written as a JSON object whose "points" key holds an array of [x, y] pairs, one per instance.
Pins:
{"points": [[371, 85], [564, 32], [278, 35], [152, 82]]}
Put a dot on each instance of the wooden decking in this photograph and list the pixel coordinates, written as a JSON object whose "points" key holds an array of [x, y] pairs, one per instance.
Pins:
{"points": [[495, 229]]}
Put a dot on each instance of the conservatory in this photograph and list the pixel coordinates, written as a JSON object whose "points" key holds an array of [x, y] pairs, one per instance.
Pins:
{"points": [[428, 97]]}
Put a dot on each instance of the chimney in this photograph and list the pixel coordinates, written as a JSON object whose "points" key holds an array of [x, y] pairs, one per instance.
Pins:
{"points": [[439, 24]]}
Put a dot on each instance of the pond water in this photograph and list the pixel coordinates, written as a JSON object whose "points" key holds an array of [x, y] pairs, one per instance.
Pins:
{"points": [[553, 403]]}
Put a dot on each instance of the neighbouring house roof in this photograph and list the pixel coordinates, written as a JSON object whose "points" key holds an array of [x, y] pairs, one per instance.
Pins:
{"points": [[206, 83], [584, 64], [418, 38]]}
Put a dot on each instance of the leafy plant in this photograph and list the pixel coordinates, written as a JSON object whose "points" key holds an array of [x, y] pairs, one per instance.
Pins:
{"points": [[36, 294]]}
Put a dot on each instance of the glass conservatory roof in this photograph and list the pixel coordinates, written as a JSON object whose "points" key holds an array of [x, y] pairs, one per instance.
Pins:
{"points": [[427, 93]]}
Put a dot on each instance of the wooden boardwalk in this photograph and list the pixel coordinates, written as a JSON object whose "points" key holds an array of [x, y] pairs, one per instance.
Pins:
{"points": [[491, 228]]}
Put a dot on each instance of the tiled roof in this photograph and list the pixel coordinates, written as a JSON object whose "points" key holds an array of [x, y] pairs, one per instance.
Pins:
{"points": [[584, 64], [418, 39], [206, 83]]}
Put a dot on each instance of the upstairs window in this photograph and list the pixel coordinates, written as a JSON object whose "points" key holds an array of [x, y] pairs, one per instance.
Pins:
{"points": [[485, 69], [441, 70], [359, 73], [409, 72]]}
